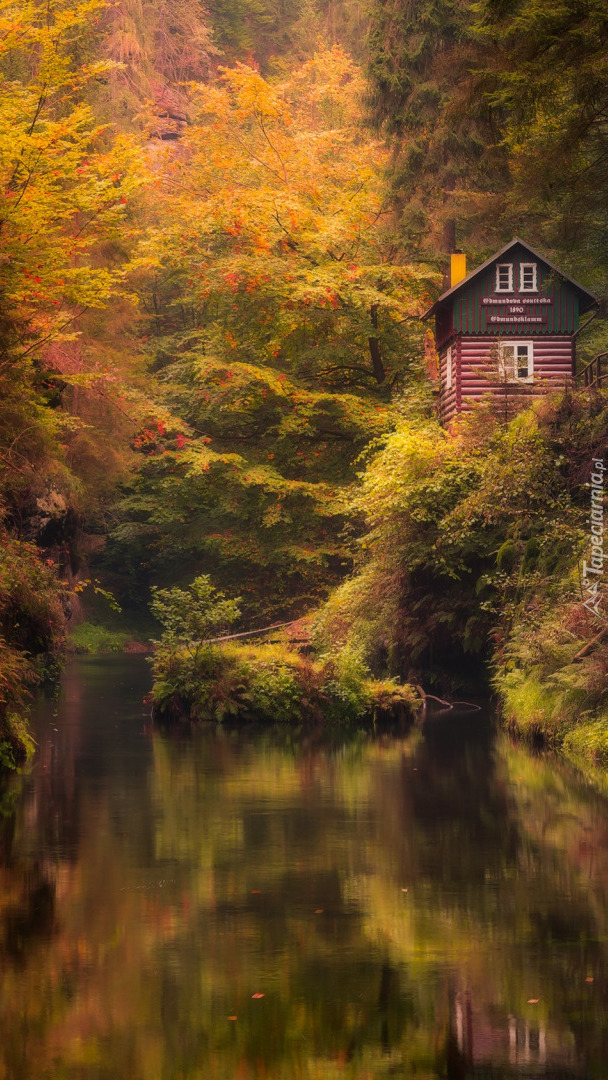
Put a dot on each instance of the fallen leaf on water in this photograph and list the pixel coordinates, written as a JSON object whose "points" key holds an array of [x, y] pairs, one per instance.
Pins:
{"points": [[257, 995], [589, 978], [533, 1001], [231, 1017], [255, 892], [319, 911]]}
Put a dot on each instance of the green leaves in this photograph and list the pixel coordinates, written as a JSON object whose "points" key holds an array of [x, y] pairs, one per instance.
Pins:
{"points": [[466, 538], [190, 615]]}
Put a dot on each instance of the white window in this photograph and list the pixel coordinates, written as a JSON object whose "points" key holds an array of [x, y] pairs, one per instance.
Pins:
{"points": [[448, 368], [528, 277], [516, 361], [504, 277]]}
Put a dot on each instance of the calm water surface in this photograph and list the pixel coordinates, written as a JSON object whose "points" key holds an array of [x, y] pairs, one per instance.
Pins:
{"points": [[235, 906]]}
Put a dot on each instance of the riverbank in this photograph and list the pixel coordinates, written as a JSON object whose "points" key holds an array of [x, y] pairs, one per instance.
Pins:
{"points": [[94, 638]]}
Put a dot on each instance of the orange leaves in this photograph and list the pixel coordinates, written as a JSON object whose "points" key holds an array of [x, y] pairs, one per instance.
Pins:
{"points": [[282, 164], [65, 182]]}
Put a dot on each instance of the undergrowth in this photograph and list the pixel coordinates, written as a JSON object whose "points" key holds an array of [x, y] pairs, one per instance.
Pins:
{"points": [[271, 683]]}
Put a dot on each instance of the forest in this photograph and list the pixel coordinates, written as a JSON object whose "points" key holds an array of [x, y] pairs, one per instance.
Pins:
{"points": [[220, 227]]}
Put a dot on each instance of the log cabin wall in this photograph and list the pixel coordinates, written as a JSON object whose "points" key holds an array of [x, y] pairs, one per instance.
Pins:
{"points": [[552, 359], [449, 404]]}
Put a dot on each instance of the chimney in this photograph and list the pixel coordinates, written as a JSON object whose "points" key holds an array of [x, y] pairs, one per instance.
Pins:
{"points": [[458, 268]]}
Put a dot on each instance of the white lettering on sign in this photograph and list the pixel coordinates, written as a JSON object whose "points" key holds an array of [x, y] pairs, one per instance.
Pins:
{"points": [[520, 300], [516, 319]]}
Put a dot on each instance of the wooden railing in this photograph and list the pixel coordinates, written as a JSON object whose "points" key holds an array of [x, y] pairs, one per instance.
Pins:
{"points": [[594, 374]]}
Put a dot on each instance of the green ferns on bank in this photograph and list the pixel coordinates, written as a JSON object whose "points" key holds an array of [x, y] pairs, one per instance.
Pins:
{"points": [[552, 674]]}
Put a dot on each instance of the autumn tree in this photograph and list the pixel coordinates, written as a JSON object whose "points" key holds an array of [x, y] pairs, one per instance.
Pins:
{"points": [[157, 48], [280, 321], [64, 193], [67, 245]]}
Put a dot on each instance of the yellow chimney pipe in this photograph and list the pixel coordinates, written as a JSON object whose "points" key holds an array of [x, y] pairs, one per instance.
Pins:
{"points": [[458, 268]]}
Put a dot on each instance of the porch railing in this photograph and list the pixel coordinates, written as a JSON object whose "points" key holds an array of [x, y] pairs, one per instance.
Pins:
{"points": [[594, 374]]}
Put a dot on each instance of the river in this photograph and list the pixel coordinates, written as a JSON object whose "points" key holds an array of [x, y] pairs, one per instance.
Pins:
{"points": [[230, 906]]}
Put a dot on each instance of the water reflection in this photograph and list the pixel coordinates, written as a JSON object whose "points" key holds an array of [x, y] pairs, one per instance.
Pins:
{"points": [[237, 906]]}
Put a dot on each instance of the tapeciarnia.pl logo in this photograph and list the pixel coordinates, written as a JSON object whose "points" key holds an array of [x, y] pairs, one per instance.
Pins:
{"points": [[593, 570]]}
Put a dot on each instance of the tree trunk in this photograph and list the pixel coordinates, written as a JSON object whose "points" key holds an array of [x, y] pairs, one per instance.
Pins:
{"points": [[374, 348], [449, 236]]}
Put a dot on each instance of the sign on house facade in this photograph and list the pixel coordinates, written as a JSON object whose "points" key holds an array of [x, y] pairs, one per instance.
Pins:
{"points": [[509, 327]]}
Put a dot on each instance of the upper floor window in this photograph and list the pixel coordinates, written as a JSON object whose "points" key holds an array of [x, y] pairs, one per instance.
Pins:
{"points": [[504, 277], [516, 361], [448, 368], [528, 277]]}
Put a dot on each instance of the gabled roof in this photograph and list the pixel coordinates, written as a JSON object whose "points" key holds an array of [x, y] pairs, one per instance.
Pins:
{"points": [[589, 299]]}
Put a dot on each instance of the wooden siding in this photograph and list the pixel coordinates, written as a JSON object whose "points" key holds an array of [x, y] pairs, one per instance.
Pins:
{"points": [[469, 311], [448, 399], [444, 324], [470, 315], [475, 376]]}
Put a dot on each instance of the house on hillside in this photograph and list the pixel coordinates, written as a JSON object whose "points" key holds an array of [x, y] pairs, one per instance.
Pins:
{"points": [[507, 329]]}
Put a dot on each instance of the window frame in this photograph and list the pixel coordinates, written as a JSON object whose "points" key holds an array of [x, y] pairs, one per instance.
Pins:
{"points": [[527, 266], [515, 344], [449, 369], [499, 287]]}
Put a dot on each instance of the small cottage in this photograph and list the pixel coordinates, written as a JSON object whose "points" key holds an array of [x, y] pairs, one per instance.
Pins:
{"points": [[507, 329]]}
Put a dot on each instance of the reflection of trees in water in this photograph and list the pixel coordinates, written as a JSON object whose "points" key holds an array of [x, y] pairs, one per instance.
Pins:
{"points": [[247, 866], [93, 746], [32, 916], [27, 893], [456, 806], [488, 900]]}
